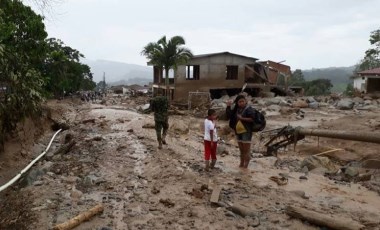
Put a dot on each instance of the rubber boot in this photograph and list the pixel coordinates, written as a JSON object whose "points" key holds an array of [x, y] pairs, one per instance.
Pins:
{"points": [[164, 139], [212, 165], [159, 144], [207, 166]]}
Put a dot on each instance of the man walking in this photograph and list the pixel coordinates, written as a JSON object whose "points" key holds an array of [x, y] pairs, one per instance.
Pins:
{"points": [[159, 105]]}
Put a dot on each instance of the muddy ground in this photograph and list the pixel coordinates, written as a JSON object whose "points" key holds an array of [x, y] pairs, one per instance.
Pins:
{"points": [[115, 162]]}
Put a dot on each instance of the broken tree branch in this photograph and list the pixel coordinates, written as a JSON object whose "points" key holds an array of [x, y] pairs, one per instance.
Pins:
{"points": [[328, 151], [323, 219], [72, 223]]}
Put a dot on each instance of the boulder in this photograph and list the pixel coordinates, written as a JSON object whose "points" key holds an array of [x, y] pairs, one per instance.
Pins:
{"points": [[310, 100], [300, 104], [275, 108], [358, 100], [314, 105], [273, 101], [345, 104], [180, 127], [313, 162]]}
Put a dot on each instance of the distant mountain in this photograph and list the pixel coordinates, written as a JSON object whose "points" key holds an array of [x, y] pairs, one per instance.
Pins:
{"points": [[339, 76], [335, 74], [119, 72]]}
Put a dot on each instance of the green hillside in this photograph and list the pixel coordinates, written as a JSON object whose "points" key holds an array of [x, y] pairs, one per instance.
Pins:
{"points": [[339, 76]]}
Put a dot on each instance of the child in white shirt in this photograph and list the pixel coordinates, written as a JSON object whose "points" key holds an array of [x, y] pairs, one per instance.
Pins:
{"points": [[210, 139]]}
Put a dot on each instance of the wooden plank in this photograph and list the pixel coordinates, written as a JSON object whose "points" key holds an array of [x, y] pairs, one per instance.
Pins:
{"points": [[215, 194], [320, 219]]}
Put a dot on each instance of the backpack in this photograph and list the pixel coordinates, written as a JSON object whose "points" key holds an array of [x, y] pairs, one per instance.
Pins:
{"points": [[256, 126], [259, 121]]}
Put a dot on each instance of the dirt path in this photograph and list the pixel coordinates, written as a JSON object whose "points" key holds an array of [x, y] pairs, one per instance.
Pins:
{"points": [[116, 162]]}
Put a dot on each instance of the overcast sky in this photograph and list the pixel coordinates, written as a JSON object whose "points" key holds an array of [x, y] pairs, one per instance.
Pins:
{"points": [[305, 33]]}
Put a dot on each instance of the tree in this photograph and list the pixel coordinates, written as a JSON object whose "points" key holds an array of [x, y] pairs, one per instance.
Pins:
{"points": [[297, 78], [22, 35], [317, 87], [167, 55], [372, 56], [63, 70]]}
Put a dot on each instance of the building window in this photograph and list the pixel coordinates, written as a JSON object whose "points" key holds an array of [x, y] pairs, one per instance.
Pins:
{"points": [[232, 72], [192, 72], [363, 78]]}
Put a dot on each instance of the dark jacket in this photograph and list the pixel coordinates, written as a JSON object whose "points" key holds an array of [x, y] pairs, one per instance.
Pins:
{"points": [[231, 114]]}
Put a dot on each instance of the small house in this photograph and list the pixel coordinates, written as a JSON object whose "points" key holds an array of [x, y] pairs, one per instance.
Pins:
{"points": [[368, 81]]}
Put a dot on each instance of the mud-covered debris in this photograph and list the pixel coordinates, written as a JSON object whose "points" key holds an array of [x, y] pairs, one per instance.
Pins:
{"points": [[167, 203], [155, 190], [279, 180], [197, 193], [97, 138], [148, 126], [303, 178], [92, 120]]}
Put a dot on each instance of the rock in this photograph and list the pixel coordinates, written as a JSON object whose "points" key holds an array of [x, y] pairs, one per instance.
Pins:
{"points": [[300, 193], [357, 100], [363, 177], [345, 104], [351, 171], [367, 97], [241, 211], [287, 111], [300, 104], [368, 102], [145, 107], [310, 100], [273, 101], [38, 183], [180, 127], [319, 171], [230, 214], [275, 108], [313, 162], [314, 105]]}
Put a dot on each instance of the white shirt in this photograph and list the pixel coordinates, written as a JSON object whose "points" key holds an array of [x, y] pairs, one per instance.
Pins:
{"points": [[210, 125]]}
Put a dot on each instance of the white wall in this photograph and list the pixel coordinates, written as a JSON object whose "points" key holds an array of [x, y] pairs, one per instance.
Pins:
{"points": [[359, 83]]}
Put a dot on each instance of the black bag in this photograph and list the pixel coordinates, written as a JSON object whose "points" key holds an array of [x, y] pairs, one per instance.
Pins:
{"points": [[259, 121]]}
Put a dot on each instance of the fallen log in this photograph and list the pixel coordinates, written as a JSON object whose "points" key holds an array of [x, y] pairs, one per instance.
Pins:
{"points": [[323, 219], [85, 216]]}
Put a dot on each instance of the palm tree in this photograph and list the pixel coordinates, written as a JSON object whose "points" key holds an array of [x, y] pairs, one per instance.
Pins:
{"points": [[167, 55]]}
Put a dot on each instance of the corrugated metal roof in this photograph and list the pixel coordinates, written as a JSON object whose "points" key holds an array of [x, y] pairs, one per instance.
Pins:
{"points": [[375, 71], [223, 53]]}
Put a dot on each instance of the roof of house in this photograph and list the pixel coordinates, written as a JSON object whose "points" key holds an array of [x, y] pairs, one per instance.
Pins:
{"points": [[375, 71], [223, 53]]}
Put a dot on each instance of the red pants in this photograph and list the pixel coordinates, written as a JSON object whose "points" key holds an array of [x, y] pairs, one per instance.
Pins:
{"points": [[210, 151]]}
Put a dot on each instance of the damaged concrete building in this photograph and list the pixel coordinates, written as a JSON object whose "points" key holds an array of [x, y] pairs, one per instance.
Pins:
{"points": [[368, 81], [222, 73]]}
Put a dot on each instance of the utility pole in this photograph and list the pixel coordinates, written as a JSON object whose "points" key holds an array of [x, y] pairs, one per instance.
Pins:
{"points": [[104, 82]]}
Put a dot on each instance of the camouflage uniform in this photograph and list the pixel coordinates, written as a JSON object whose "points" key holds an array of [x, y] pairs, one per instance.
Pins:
{"points": [[159, 105]]}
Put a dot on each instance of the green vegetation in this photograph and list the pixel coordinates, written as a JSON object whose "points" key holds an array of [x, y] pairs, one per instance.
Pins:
{"points": [[313, 87], [32, 67], [371, 59], [167, 55]]}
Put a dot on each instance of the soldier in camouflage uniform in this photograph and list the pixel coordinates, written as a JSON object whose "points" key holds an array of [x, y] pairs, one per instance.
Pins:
{"points": [[159, 105]]}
